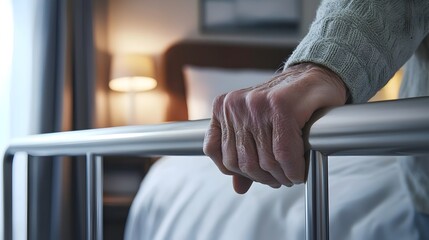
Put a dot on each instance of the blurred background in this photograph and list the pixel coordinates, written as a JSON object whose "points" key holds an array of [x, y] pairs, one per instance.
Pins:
{"points": [[79, 64]]}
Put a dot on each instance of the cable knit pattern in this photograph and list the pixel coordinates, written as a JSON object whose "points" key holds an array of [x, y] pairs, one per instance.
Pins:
{"points": [[364, 41]]}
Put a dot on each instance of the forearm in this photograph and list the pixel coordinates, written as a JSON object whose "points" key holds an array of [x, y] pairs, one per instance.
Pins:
{"points": [[364, 42]]}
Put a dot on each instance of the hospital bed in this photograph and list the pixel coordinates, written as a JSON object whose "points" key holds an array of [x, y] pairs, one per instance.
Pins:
{"points": [[353, 130]]}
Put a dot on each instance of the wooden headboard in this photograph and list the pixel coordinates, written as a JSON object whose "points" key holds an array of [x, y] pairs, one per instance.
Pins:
{"points": [[213, 54]]}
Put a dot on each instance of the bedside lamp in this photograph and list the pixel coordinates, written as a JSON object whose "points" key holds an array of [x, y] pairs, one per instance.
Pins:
{"points": [[132, 74]]}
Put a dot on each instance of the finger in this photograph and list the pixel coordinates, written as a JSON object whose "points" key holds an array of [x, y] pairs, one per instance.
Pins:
{"points": [[248, 161], [288, 148], [261, 135], [241, 184], [267, 161], [229, 151], [212, 146]]}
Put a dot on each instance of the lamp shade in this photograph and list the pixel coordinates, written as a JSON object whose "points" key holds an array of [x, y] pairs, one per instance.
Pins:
{"points": [[132, 73]]}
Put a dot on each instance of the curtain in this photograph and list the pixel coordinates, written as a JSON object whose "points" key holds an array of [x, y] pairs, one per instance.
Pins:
{"points": [[64, 63], [6, 57]]}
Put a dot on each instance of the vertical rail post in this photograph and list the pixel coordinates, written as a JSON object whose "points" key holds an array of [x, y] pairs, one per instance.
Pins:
{"points": [[317, 198], [94, 197], [7, 196], [99, 196]]}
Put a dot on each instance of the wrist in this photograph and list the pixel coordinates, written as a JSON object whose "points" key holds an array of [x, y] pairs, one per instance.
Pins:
{"points": [[322, 77]]}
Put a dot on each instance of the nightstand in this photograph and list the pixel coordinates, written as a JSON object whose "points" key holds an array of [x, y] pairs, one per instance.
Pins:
{"points": [[121, 181]]}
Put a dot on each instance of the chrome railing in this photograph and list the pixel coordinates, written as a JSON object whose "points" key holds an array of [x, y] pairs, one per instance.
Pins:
{"points": [[384, 128]]}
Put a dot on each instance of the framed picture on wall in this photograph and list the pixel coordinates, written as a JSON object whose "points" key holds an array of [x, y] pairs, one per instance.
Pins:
{"points": [[250, 16]]}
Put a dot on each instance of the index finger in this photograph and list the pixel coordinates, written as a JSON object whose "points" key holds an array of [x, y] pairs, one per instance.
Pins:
{"points": [[212, 146]]}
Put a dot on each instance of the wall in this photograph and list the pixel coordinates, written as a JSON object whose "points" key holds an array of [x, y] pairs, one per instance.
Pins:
{"points": [[102, 66], [150, 26]]}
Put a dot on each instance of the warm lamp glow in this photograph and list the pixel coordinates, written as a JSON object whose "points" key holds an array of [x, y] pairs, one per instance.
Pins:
{"points": [[132, 84], [132, 73], [391, 90]]}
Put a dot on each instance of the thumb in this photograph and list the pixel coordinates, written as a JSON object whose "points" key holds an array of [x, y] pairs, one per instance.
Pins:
{"points": [[241, 184]]}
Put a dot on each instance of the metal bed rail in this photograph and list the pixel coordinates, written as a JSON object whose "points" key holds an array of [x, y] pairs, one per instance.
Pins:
{"points": [[398, 127]]}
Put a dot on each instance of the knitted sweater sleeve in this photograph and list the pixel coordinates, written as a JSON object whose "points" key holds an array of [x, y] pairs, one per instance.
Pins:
{"points": [[364, 41]]}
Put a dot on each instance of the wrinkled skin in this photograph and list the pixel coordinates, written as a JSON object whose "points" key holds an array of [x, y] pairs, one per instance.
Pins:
{"points": [[255, 134]]}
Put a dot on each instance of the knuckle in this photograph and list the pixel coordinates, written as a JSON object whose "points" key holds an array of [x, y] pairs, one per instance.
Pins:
{"points": [[296, 180], [287, 182], [295, 177], [221, 167], [268, 165], [268, 180], [224, 171], [219, 100], [209, 150], [230, 165], [294, 169], [276, 99], [218, 103], [255, 101], [248, 168], [211, 145], [233, 100]]}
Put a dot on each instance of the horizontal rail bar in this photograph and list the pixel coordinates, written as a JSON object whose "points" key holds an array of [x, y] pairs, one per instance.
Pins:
{"points": [[384, 128], [179, 138], [399, 127]]}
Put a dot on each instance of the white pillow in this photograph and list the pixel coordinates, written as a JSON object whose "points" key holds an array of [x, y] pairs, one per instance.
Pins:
{"points": [[203, 84]]}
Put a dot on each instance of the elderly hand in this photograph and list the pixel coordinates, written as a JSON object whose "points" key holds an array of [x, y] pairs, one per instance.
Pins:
{"points": [[255, 134]]}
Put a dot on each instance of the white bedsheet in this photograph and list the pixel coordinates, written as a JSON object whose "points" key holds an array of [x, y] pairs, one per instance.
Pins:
{"points": [[185, 198]]}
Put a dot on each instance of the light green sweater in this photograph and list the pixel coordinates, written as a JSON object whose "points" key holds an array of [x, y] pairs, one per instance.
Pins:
{"points": [[365, 42]]}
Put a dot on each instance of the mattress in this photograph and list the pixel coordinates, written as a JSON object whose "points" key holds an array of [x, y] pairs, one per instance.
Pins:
{"points": [[188, 198]]}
